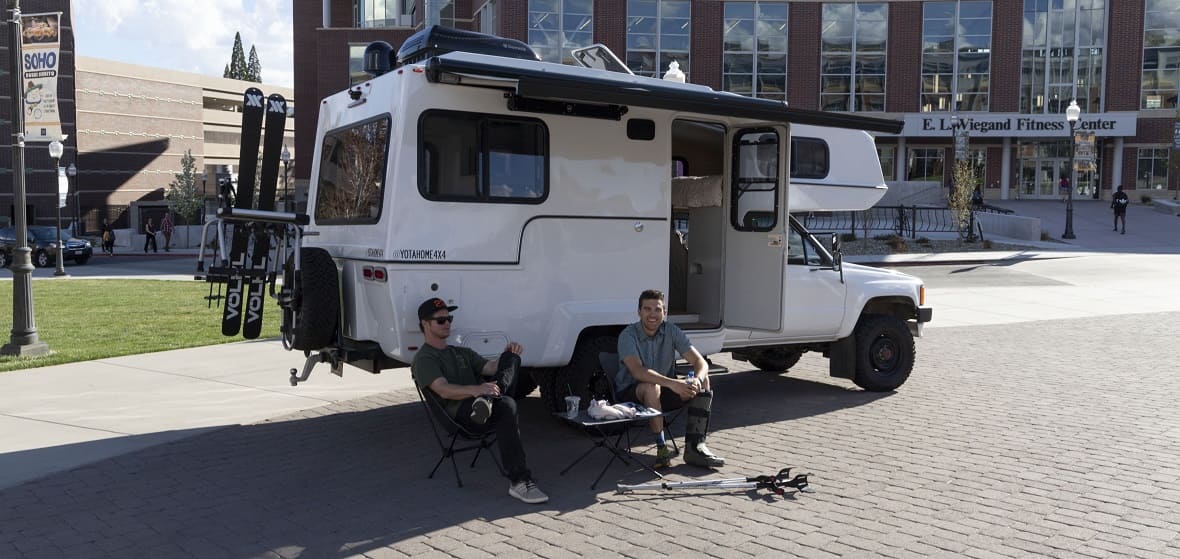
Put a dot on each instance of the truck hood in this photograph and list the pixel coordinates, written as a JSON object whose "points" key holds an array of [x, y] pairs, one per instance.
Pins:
{"points": [[857, 273]]}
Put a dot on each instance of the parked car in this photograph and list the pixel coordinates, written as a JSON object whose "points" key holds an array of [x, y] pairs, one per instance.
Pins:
{"points": [[43, 242]]}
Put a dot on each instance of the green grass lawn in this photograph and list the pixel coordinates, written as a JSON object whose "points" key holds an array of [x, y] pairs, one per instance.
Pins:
{"points": [[87, 319]]}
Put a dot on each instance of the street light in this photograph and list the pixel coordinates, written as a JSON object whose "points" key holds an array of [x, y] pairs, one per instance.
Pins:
{"points": [[1072, 113], [24, 340], [55, 151], [286, 157]]}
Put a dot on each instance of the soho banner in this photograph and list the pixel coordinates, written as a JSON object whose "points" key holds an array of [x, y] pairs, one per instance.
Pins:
{"points": [[1012, 125], [40, 45]]}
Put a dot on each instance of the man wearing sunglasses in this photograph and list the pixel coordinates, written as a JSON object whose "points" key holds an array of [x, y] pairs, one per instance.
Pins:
{"points": [[475, 391]]}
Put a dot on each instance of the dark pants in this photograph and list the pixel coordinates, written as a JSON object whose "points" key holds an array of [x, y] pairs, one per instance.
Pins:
{"points": [[504, 421], [150, 239], [1120, 215]]}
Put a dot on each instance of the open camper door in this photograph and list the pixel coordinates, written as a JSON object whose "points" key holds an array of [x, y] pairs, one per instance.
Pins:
{"points": [[755, 250]]}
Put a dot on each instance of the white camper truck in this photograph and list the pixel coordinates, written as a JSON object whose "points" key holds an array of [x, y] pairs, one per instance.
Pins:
{"points": [[542, 199]]}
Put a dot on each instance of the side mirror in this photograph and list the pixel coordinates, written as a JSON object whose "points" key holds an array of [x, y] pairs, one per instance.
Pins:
{"points": [[837, 256], [835, 243]]}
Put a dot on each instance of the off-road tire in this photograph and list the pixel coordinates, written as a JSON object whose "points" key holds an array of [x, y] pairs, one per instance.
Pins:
{"points": [[776, 359], [884, 353], [41, 259], [575, 378], [309, 322]]}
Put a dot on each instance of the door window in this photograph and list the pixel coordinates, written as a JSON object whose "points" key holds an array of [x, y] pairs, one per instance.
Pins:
{"points": [[803, 250], [754, 194]]}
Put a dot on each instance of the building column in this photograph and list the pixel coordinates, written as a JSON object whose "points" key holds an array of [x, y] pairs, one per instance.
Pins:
{"points": [[1005, 168], [899, 160], [1116, 166]]}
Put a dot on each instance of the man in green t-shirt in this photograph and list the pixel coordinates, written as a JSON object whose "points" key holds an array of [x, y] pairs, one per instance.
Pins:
{"points": [[474, 391]]}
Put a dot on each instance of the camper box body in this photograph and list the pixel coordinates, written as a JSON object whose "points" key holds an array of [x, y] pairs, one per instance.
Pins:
{"points": [[543, 219]]}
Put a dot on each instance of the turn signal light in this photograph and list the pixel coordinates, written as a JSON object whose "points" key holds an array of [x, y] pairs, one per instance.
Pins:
{"points": [[922, 296]]}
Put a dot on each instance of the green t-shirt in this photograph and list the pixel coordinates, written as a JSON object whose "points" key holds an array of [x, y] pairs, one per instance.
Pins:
{"points": [[459, 365]]}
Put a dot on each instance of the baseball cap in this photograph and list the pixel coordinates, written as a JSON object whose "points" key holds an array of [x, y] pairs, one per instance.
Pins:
{"points": [[431, 306]]}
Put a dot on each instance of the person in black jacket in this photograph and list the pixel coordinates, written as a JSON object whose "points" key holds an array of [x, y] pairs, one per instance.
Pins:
{"points": [[1119, 203]]}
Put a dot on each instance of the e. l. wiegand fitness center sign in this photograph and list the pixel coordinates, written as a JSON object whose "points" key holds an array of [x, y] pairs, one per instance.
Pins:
{"points": [[1000, 125]]}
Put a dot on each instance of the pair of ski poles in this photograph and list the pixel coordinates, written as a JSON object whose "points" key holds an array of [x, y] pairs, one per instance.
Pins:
{"points": [[778, 484]]}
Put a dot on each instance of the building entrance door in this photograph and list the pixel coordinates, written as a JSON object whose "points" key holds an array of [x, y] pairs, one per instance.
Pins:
{"points": [[1040, 178]]}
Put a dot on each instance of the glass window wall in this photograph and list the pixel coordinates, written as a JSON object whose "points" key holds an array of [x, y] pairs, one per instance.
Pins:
{"points": [[1063, 55], [754, 45], [852, 56], [558, 26], [658, 32], [956, 56], [1151, 172], [1161, 54]]}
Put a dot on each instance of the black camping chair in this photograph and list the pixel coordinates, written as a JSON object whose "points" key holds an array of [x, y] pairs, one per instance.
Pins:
{"points": [[442, 423], [602, 387]]}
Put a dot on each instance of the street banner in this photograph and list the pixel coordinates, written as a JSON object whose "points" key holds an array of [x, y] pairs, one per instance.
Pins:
{"points": [[1084, 160], [63, 187], [40, 46]]}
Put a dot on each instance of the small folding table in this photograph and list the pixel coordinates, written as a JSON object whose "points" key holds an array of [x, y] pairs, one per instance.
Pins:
{"points": [[601, 431]]}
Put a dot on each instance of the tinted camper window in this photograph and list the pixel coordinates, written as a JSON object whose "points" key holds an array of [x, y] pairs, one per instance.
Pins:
{"points": [[352, 173], [809, 158], [482, 158]]}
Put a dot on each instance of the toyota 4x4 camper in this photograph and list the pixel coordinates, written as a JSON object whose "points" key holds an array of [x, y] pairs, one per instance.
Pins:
{"points": [[543, 198]]}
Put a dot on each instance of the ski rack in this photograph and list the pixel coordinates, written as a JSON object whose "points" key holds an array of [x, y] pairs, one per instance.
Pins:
{"points": [[777, 484]]}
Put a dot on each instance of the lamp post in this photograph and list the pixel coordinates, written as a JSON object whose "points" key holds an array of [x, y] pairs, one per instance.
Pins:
{"points": [[1072, 113], [286, 157], [55, 151], [24, 339]]}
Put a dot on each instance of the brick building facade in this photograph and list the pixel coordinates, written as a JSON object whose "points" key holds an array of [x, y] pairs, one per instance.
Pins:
{"points": [[1002, 69]]}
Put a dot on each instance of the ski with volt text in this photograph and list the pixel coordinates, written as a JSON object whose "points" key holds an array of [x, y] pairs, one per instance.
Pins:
{"points": [[272, 144], [252, 110]]}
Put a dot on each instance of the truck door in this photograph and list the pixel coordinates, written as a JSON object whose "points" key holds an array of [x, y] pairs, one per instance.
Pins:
{"points": [[754, 248]]}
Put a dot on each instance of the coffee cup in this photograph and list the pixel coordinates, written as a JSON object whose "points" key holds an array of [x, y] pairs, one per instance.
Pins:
{"points": [[571, 406]]}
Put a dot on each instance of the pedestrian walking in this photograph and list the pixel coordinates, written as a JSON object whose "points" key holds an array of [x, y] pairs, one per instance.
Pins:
{"points": [[108, 238], [1064, 187], [166, 228], [1119, 203], [149, 236]]}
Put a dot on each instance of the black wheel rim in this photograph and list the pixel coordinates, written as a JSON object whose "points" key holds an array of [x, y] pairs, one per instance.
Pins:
{"points": [[884, 355]]}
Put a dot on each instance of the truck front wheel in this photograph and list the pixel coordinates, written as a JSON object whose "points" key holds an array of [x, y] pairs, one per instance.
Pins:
{"points": [[776, 359], [884, 353]]}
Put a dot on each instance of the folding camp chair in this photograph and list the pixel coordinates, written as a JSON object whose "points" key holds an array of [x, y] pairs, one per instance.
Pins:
{"points": [[604, 387], [441, 422]]}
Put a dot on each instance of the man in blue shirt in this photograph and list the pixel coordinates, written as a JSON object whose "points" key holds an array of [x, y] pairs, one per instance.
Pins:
{"points": [[647, 355]]}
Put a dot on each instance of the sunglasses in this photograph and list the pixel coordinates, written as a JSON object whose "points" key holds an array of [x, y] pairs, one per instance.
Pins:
{"points": [[440, 320]]}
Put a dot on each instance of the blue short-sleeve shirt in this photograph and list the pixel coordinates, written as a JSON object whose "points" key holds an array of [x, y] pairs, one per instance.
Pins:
{"points": [[658, 352]]}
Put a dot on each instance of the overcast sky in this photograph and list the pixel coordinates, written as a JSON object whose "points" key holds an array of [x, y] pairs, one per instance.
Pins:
{"points": [[187, 35]]}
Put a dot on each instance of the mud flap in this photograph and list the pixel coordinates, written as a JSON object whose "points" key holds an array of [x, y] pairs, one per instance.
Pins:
{"points": [[842, 358]]}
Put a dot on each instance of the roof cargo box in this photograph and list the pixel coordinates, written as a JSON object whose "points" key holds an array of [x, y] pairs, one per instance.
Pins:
{"points": [[436, 40]]}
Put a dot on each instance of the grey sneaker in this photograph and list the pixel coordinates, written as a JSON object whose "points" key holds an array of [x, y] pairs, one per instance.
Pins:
{"points": [[527, 491], [481, 410]]}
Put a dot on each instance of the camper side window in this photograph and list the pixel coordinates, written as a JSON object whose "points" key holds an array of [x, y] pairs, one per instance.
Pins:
{"points": [[471, 157], [809, 158], [352, 173]]}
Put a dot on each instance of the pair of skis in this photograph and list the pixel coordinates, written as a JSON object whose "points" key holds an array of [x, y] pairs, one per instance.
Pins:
{"points": [[246, 284]]}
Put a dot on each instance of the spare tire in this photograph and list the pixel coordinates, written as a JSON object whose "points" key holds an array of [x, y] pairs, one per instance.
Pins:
{"points": [[311, 316]]}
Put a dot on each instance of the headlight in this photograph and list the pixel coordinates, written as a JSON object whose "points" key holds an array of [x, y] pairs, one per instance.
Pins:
{"points": [[86, 244], [52, 245]]}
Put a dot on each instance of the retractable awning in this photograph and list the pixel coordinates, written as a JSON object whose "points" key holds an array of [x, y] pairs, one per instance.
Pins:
{"points": [[580, 85]]}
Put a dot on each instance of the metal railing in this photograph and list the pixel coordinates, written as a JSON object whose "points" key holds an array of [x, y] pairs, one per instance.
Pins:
{"points": [[901, 220]]}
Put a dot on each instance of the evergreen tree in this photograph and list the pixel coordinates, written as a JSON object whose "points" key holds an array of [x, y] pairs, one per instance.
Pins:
{"points": [[254, 67], [238, 68], [225, 74]]}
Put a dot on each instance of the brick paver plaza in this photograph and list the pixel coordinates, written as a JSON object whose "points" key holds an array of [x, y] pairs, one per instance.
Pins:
{"points": [[1049, 439]]}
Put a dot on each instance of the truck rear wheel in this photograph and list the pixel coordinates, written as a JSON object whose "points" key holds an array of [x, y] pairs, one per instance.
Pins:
{"points": [[575, 378], [884, 353], [776, 359], [309, 320]]}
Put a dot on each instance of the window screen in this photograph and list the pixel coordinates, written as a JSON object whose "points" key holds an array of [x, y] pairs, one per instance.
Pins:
{"points": [[352, 173], [754, 202]]}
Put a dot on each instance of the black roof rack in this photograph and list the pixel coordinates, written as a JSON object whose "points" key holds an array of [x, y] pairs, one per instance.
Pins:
{"points": [[436, 40]]}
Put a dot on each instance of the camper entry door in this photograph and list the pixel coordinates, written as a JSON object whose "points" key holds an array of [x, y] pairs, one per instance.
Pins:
{"points": [[755, 247]]}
